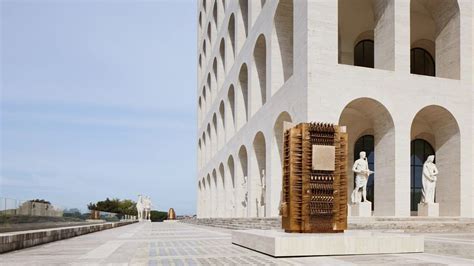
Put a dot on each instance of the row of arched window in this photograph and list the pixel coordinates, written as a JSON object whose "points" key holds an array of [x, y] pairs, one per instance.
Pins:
{"points": [[367, 36], [249, 90], [227, 191]]}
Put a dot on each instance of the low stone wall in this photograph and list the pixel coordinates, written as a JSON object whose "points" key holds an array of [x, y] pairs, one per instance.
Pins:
{"points": [[405, 224], [24, 239]]}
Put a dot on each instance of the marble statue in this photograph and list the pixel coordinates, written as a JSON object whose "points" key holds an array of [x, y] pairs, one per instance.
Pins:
{"points": [[262, 193], [429, 180], [140, 207], [362, 171], [244, 187], [147, 207]]}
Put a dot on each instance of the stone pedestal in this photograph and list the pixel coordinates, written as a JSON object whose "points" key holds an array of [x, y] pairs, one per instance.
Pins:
{"points": [[361, 209], [351, 242], [428, 209], [170, 221]]}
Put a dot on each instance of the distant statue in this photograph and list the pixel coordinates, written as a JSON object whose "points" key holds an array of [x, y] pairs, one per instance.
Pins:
{"points": [[429, 180], [362, 171], [147, 207], [171, 214], [262, 193], [140, 207], [244, 187]]}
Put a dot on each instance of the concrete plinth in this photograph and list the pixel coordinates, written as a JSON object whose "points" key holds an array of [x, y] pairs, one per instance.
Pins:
{"points": [[170, 221], [361, 209], [428, 209], [281, 244]]}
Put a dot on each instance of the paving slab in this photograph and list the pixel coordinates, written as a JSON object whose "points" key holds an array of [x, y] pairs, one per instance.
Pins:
{"points": [[184, 244]]}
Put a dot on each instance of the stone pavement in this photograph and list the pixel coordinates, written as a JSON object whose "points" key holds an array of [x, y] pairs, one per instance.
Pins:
{"points": [[184, 244]]}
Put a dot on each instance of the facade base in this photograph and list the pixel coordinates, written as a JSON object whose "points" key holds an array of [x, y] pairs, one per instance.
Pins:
{"points": [[428, 209], [360, 209]]}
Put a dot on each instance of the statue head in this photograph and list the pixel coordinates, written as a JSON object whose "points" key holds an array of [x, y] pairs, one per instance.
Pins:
{"points": [[430, 159], [362, 155]]}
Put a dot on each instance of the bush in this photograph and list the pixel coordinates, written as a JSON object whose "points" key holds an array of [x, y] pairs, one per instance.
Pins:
{"points": [[158, 216]]}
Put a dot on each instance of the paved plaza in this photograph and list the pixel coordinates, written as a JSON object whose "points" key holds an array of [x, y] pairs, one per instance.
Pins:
{"points": [[183, 244]]}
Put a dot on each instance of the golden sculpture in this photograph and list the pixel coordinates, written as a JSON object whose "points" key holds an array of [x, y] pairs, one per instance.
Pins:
{"points": [[314, 191], [171, 214]]}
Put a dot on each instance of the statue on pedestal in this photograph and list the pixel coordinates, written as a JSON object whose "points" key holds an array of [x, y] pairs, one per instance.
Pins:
{"points": [[262, 194], [429, 180], [140, 207], [362, 171], [147, 204]]}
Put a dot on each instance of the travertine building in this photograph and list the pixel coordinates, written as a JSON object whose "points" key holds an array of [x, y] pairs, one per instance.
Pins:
{"points": [[397, 73]]}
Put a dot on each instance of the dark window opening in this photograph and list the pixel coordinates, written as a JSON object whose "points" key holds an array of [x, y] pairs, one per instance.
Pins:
{"points": [[364, 54], [422, 63]]}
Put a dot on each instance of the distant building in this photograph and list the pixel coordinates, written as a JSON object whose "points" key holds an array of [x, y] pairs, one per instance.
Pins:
{"points": [[398, 74]]}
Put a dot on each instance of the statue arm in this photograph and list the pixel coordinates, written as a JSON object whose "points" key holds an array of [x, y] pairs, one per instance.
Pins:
{"points": [[356, 169], [427, 173]]}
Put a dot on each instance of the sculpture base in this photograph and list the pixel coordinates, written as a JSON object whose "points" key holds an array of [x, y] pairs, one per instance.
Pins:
{"points": [[428, 209], [360, 209], [170, 221], [281, 244]]}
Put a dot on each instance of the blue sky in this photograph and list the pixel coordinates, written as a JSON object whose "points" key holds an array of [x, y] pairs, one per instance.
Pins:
{"points": [[98, 100]]}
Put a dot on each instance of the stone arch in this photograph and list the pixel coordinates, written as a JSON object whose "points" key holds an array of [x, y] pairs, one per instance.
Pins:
{"points": [[215, 137], [214, 191], [258, 176], [199, 200], [231, 188], [259, 77], [221, 193], [366, 116], [282, 44], [199, 153], [210, 90], [221, 126], [222, 61], [230, 114], [438, 22], [277, 159], [203, 199], [216, 77], [210, 142], [242, 182], [209, 197], [242, 27], [204, 103], [242, 104], [200, 111], [215, 15], [200, 21], [204, 47], [374, 20], [209, 33], [204, 149], [438, 126], [200, 64], [231, 39]]}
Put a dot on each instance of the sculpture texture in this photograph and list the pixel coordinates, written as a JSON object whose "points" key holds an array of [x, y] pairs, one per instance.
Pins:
{"points": [[314, 194], [430, 173]]}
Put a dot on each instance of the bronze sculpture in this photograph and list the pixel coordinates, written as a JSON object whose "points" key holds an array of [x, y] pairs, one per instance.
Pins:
{"points": [[314, 191]]}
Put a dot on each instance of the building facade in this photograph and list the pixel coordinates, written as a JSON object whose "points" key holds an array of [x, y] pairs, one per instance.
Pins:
{"points": [[397, 73]]}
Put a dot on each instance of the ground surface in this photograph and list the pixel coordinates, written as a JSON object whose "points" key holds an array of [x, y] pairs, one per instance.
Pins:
{"points": [[182, 244]]}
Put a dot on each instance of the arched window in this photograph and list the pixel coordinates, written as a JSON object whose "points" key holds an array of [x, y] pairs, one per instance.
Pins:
{"points": [[421, 62], [420, 150], [364, 54], [366, 143]]}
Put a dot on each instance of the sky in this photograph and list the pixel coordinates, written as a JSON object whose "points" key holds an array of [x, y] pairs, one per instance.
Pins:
{"points": [[98, 100]]}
